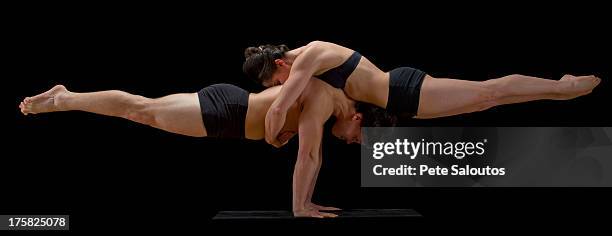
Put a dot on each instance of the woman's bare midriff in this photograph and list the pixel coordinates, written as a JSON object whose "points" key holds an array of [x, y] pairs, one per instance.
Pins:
{"points": [[368, 84]]}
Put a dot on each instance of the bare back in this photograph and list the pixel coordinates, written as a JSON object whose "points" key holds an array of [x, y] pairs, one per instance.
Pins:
{"points": [[317, 93], [259, 103], [367, 83]]}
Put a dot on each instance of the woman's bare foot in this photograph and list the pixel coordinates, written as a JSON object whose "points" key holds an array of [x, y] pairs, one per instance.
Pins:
{"points": [[44, 102], [575, 86]]}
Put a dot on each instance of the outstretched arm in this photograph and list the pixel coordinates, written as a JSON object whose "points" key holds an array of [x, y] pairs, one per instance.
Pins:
{"points": [[301, 72]]}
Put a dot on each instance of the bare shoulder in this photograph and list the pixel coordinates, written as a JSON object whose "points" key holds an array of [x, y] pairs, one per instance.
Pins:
{"points": [[318, 43], [315, 88], [310, 91], [327, 46], [316, 94], [313, 46], [270, 92], [326, 54]]}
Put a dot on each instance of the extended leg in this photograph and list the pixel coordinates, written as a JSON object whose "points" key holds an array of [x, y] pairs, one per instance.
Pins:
{"points": [[447, 97], [177, 113]]}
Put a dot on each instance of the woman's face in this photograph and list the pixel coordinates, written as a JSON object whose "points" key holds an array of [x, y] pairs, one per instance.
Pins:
{"points": [[280, 75]]}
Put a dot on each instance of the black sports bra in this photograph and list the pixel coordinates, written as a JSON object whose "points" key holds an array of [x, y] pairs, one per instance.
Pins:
{"points": [[337, 76]]}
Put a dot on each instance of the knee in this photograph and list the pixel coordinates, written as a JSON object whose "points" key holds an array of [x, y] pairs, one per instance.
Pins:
{"points": [[489, 95], [141, 111]]}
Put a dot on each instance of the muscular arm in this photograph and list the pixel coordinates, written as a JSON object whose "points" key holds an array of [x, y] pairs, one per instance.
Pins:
{"points": [[306, 165], [308, 162], [301, 72], [314, 180]]}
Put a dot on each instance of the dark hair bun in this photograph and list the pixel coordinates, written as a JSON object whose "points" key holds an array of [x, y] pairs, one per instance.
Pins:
{"points": [[281, 48], [250, 51], [259, 61]]}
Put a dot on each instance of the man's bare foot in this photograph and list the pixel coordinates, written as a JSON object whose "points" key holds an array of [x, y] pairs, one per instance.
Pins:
{"points": [[44, 102], [321, 208], [575, 86]]}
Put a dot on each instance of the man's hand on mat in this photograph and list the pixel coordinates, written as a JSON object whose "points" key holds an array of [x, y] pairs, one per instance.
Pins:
{"points": [[322, 208], [313, 213]]}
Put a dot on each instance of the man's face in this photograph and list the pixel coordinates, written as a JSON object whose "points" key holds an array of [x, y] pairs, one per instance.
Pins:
{"points": [[348, 128]]}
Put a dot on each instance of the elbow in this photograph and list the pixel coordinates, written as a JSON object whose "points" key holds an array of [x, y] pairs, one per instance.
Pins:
{"points": [[276, 110], [307, 156], [278, 107]]}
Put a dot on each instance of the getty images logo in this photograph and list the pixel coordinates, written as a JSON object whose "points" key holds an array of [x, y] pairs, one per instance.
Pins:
{"points": [[404, 147]]}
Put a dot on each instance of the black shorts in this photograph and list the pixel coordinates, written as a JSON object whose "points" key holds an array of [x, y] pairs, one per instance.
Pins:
{"points": [[404, 91], [224, 109]]}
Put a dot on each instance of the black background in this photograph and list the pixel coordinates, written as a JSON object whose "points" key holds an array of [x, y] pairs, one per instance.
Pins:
{"points": [[111, 174]]}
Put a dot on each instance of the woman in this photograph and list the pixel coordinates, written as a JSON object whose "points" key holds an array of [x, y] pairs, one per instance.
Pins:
{"points": [[222, 111], [404, 91]]}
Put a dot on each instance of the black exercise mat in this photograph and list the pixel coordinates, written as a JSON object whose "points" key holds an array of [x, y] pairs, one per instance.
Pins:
{"points": [[351, 213]]}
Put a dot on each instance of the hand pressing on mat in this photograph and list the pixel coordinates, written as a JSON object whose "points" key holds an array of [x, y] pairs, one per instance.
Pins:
{"points": [[312, 213]]}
